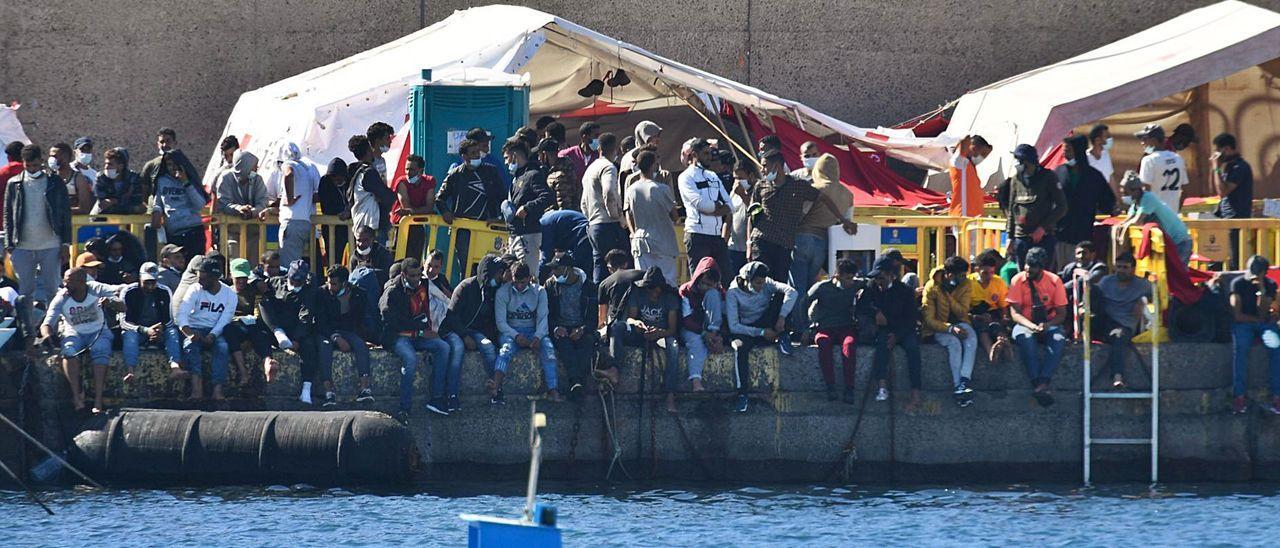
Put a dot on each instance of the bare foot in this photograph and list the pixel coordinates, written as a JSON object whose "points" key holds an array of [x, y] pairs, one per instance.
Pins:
{"points": [[217, 393], [77, 401], [914, 403], [491, 387], [269, 366], [176, 374], [671, 403], [697, 386]]}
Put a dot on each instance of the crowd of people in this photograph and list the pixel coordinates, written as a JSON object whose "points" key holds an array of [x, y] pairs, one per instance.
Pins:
{"points": [[591, 266]]}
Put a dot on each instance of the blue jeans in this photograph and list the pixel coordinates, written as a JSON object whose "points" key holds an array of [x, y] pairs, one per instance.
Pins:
{"points": [[43, 286], [604, 238], [407, 348], [131, 340], [808, 257], [221, 355], [1242, 335], [507, 348], [488, 352], [1021, 245], [1039, 370], [99, 353], [359, 354]]}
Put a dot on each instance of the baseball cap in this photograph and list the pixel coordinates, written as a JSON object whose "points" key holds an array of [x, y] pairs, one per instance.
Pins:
{"points": [[563, 259], [652, 278], [1150, 130], [88, 259], [769, 154], [240, 268], [149, 271], [548, 145], [209, 266], [169, 249], [1026, 153], [82, 142]]}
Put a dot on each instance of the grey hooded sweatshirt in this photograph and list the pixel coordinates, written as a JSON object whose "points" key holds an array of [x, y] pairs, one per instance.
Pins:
{"points": [[746, 307], [233, 190]]}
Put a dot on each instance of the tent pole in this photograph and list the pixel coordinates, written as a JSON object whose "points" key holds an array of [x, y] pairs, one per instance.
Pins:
{"points": [[717, 128], [1199, 115], [742, 124]]}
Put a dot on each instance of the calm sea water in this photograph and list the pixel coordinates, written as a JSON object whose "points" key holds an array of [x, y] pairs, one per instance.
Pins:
{"points": [[596, 515]]}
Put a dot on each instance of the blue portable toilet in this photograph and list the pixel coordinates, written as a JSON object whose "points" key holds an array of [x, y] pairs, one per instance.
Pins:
{"points": [[444, 109]]}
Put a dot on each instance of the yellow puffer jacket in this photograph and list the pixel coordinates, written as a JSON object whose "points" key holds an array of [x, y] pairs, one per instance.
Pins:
{"points": [[941, 307]]}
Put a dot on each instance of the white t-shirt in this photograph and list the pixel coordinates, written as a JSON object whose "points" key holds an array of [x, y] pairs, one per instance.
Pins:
{"points": [[83, 317], [305, 183], [1166, 174], [1103, 164]]}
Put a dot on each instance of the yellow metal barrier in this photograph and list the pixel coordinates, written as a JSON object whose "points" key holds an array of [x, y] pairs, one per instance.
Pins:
{"points": [[931, 237], [1258, 236], [479, 237], [1152, 266], [248, 238], [84, 227], [980, 234]]}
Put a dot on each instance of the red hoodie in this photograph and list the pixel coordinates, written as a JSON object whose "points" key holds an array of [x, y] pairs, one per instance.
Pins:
{"points": [[8, 172], [691, 298]]}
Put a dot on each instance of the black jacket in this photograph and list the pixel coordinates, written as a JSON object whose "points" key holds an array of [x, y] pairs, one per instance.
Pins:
{"points": [[151, 171], [1089, 196], [832, 305], [897, 303], [57, 204], [471, 307], [529, 190], [397, 316], [134, 303], [588, 304], [284, 309], [471, 193], [329, 316], [379, 258]]}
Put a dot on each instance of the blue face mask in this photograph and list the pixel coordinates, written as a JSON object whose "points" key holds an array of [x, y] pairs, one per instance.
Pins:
{"points": [[474, 163], [493, 282], [512, 167], [595, 144], [562, 279], [1071, 162]]}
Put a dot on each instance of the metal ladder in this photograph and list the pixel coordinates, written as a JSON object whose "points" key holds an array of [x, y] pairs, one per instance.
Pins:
{"points": [[1153, 395]]}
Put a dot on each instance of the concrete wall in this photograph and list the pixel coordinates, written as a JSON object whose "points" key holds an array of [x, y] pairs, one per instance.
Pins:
{"points": [[119, 70], [791, 432]]}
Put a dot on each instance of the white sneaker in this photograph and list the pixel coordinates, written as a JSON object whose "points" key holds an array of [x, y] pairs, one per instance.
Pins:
{"points": [[283, 341], [305, 397], [882, 394]]}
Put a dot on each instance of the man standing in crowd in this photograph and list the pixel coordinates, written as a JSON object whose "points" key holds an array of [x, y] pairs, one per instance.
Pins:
{"points": [[1033, 203], [146, 321], [473, 189], [470, 319], [37, 220], [79, 187], [167, 145], [369, 253], [809, 154], [341, 327], [1163, 171], [782, 200], [588, 149], [650, 209], [702, 317], [1233, 182], [809, 255], [1038, 305], [1254, 309], [116, 190], [83, 158], [528, 199], [571, 314], [564, 230], [1146, 207], [380, 135], [178, 205], [205, 311], [520, 310], [947, 296], [369, 196], [602, 204], [646, 133], [84, 331], [413, 315], [966, 189], [228, 148], [299, 182], [832, 307], [706, 207], [1121, 295], [415, 195], [1087, 195], [757, 310], [745, 175], [241, 192], [890, 304], [484, 140], [1100, 143]]}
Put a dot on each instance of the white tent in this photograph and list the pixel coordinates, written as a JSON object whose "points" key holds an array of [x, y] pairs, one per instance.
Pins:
{"points": [[10, 126], [1174, 62], [319, 109]]}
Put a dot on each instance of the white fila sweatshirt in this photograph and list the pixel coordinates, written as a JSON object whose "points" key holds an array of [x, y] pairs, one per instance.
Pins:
{"points": [[203, 310]]}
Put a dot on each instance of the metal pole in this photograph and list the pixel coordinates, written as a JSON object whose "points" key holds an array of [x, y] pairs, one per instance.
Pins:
{"points": [[535, 442], [1155, 388], [23, 484], [1088, 392], [49, 452]]}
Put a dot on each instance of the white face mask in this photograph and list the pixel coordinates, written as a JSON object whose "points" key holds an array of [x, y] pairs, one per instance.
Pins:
{"points": [[363, 250], [415, 179], [744, 183], [54, 164], [978, 159], [771, 176], [595, 144], [111, 173], [1109, 142], [810, 162], [474, 162], [84, 158], [38, 173], [115, 259], [512, 166], [562, 279], [384, 148], [1071, 162], [1127, 199], [1148, 149]]}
